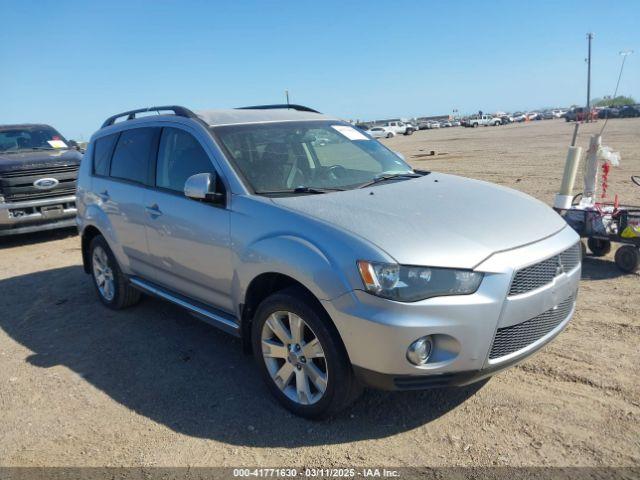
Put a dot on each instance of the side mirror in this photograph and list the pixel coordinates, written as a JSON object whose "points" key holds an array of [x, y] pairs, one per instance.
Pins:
{"points": [[202, 186]]}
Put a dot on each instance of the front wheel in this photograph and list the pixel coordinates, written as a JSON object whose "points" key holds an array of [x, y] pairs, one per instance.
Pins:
{"points": [[628, 258], [475, 125], [301, 356], [389, 135]]}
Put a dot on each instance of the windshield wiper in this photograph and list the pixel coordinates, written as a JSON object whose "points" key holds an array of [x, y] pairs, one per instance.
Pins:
{"points": [[301, 189], [390, 176]]}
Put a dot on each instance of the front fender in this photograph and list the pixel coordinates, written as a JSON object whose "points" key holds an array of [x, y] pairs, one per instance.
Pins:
{"points": [[296, 257]]}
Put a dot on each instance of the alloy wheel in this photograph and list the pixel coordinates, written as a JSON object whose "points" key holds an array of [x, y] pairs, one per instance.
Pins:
{"points": [[103, 273], [294, 357]]}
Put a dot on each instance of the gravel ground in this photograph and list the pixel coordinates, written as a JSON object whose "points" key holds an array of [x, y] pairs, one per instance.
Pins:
{"points": [[151, 386]]}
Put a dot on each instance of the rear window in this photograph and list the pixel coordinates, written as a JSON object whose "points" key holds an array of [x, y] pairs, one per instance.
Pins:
{"points": [[102, 151], [133, 154]]}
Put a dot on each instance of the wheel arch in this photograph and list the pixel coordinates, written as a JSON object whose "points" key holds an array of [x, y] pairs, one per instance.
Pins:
{"points": [[88, 234], [263, 286]]}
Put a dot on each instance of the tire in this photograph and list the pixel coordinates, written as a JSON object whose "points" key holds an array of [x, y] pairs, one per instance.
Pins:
{"points": [[104, 271], [298, 392], [628, 258], [475, 125], [389, 135], [598, 247]]}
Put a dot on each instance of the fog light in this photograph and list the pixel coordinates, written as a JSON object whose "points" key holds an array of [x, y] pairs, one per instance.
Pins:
{"points": [[419, 351]]}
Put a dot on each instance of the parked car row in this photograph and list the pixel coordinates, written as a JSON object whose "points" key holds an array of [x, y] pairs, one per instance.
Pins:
{"points": [[627, 111], [391, 129]]}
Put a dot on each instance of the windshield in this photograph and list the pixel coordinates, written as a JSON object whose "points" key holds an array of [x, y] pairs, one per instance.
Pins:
{"points": [[281, 157], [30, 138]]}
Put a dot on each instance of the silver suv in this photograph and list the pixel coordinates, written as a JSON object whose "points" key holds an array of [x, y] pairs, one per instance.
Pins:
{"points": [[335, 262]]}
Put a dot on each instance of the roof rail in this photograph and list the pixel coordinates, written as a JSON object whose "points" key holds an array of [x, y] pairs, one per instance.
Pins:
{"points": [[290, 106], [131, 114]]}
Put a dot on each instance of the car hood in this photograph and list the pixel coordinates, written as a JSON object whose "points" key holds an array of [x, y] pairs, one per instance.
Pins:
{"points": [[437, 220], [38, 159]]}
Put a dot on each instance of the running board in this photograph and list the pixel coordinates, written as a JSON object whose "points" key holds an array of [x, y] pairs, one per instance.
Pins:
{"points": [[205, 313]]}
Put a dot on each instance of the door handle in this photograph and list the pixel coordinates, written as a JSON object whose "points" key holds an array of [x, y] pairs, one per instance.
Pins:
{"points": [[153, 210], [104, 195]]}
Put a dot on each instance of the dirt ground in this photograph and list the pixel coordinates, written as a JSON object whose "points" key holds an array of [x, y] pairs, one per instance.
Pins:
{"points": [[151, 386]]}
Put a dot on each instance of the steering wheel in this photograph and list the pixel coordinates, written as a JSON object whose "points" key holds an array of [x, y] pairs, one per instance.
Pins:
{"points": [[334, 171], [636, 179]]}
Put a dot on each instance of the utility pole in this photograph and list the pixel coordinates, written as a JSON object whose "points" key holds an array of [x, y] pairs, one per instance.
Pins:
{"points": [[286, 94], [589, 38]]}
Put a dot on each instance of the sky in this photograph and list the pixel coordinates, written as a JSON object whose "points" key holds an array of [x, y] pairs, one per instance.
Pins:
{"points": [[74, 63]]}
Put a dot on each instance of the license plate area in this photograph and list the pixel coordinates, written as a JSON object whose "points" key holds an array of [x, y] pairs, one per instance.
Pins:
{"points": [[51, 211]]}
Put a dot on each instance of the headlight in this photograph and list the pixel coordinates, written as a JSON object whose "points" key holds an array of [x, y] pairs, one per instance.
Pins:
{"points": [[410, 284]]}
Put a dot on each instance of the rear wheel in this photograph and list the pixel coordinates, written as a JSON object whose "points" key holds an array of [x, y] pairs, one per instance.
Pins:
{"points": [[599, 247], [113, 289], [301, 356], [628, 258], [389, 135]]}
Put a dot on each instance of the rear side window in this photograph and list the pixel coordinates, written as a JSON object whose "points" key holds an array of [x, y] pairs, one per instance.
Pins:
{"points": [[180, 155], [102, 151], [133, 154]]}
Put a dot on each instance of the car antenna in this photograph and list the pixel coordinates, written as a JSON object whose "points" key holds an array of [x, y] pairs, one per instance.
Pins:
{"points": [[624, 54], [286, 94]]}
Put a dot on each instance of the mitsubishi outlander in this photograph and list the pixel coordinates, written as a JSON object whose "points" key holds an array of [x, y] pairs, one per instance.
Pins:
{"points": [[337, 264]]}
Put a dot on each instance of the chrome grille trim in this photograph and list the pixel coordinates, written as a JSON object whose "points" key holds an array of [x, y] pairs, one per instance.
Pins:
{"points": [[17, 185], [543, 273], [516, 337]]}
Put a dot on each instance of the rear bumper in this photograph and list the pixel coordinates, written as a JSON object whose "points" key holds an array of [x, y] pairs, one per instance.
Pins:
{"points": [[37, 215]]}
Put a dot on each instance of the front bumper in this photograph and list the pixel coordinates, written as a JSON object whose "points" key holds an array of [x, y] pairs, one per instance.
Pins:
{"points": [[37, 215], [377, 332]]}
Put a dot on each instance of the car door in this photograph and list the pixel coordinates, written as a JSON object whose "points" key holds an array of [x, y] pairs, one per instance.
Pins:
{"points": [[189, 240], [122, 163]]}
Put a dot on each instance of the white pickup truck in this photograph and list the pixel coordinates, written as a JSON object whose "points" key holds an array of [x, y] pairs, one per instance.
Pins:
{"points": [[400, 128], [485, 120]]}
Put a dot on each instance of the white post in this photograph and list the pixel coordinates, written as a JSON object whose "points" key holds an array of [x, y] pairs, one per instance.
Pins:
{"points": [[565, 196], [591, 171]]}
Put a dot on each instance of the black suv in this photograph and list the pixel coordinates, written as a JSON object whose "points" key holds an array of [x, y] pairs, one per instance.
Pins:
{"points": [[629, 111], [38, 171]]}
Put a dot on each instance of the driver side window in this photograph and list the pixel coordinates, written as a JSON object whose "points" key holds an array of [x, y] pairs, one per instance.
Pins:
{"points": [[180, 156]]}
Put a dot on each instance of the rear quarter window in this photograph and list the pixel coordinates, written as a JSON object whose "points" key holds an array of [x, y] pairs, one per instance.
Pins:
{"points": [[135, 154], [102, 151]]}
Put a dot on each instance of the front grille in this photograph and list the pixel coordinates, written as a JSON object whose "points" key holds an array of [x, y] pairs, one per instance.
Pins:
{"points": [[41, 172], [516, 337], [17, 185], [543, 273]]}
